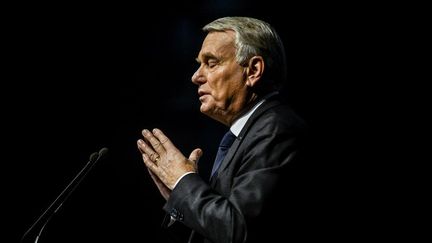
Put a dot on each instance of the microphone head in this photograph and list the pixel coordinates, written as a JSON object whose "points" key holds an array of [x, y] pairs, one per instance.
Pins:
{"points": [[94, 156], [102, 152]]}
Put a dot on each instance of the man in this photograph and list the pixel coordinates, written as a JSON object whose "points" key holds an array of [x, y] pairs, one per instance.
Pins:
{"points": [[253, 193]]}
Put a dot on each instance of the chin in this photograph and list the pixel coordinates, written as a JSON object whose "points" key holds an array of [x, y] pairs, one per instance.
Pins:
{"points": [[213, 113], [204, 109]]}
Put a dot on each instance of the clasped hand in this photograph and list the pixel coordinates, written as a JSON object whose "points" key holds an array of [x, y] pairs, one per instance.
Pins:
{"points": [[166, 164]]}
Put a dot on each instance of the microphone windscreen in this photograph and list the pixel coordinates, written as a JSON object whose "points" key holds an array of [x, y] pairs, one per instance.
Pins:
{"points": [[94, 156], [102, 152]]}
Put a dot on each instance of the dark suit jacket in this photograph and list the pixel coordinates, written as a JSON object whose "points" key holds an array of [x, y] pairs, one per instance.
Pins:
{"points": [[258, 194]]}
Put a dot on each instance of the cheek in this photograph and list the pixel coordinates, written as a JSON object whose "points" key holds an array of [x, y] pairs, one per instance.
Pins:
{"points": [[225, 84], [220, 96], [220, 88], [226, 90]]}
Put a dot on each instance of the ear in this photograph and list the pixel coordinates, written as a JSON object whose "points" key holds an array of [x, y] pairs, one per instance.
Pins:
{"points": [[254, 70]]}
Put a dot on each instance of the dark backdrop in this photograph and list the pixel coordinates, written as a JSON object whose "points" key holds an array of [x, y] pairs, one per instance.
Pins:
{"points": [[85, 77]]}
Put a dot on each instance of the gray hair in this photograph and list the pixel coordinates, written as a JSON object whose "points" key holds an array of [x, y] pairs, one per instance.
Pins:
{"points": [[255, 37]]}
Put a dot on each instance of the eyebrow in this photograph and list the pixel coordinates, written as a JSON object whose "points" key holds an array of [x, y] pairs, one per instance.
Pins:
{"points": [[206, 56]]}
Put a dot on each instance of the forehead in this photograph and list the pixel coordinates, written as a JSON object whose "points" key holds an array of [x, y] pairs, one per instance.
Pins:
{"points": [[219, 42]]}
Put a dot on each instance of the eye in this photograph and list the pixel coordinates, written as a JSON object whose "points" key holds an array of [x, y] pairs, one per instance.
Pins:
{"points": [[211, 63]]}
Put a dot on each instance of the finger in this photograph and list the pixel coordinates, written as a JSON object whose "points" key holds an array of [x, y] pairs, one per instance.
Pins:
{"points": [[139, 142], [195, 155], [154, 177], [163, 189], [150, 164], [165, 141], [154, 141], [157, 173], [147, 149]]}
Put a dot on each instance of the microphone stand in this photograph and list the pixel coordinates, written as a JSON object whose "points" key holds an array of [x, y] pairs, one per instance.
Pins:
{"points": [[58, 202]]}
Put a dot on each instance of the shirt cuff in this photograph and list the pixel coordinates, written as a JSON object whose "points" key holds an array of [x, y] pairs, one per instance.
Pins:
{"points": [[178, 180], [171, 222]]}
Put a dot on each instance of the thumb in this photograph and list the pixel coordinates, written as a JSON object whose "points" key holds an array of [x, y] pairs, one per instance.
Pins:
{"points": [[195, 155]]}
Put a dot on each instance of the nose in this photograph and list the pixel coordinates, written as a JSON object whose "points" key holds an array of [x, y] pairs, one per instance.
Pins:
{"points": [[198, 78]]}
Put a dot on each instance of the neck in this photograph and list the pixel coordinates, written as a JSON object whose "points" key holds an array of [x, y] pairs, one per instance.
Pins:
{"points": [[251, 100]]}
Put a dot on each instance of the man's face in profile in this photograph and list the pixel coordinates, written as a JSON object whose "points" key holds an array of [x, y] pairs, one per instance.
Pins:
{"points": [[221, 80]]}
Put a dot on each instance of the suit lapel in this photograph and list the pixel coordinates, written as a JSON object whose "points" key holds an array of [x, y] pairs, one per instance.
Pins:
{"points": [[268, 104]]}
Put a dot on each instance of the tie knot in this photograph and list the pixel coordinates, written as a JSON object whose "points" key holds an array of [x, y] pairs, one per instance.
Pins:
{"points": [[227, 140]]}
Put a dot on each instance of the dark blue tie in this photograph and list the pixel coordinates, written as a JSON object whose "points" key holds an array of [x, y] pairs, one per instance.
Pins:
{"points": [[225, 144]]}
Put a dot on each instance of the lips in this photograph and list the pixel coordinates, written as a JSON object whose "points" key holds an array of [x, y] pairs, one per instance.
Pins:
{"points": [[201, 93]]}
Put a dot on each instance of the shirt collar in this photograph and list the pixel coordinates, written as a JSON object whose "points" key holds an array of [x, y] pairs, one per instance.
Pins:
{"points": [[238, 124]]}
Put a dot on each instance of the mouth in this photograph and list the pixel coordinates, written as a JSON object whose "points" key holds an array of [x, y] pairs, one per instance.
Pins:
{"points": [[201, 94], [202, 97]]}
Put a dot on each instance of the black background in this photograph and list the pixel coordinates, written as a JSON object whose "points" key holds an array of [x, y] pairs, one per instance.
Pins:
{"points": [[82, 77]]}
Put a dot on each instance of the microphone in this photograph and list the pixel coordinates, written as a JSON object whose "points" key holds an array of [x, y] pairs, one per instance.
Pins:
{"points": [[64, 195]]}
